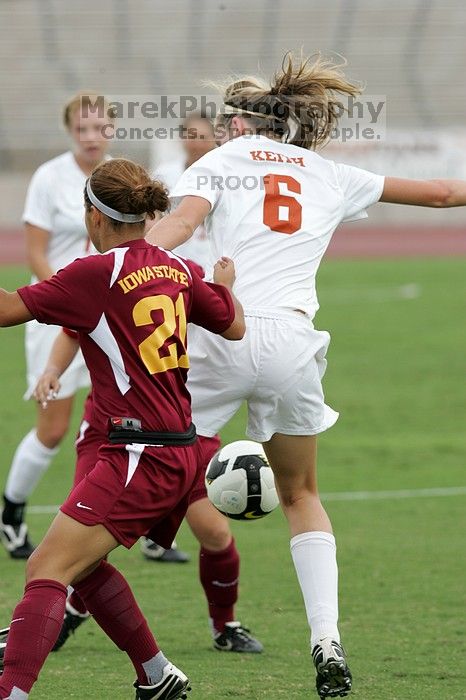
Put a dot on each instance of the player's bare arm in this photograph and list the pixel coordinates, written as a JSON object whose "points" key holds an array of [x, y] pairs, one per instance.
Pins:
{"points": [[224, 273], [37, 244], [424, 193], [13, 310], [62, 354], [178, 227]]}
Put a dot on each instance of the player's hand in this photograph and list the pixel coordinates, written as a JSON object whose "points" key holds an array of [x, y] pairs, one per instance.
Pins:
{"points": [[224, 272], [47, 387]]}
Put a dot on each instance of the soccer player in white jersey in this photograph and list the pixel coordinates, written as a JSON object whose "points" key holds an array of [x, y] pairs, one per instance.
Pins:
{"points": [[272, 204], [55, 236]]}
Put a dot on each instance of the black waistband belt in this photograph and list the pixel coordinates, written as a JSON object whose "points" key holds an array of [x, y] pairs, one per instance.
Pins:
{"points": [[125, 436]]}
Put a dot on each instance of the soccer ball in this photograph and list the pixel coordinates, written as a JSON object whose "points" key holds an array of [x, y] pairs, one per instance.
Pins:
{"points": [[240, 482]]}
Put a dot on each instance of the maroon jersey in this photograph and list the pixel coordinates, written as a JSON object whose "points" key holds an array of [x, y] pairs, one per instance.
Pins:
{"points": [[131, 307]]}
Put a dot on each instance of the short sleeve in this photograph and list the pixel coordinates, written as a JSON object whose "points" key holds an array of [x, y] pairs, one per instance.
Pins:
{"points": [[38, 208], [212, 306], [195, 267], [76, 296], [360, 188], [201, 179]]}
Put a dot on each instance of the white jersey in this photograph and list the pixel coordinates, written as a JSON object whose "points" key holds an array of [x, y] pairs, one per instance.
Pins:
{"points": [[274, 208], [197, 248], [55, 202]]}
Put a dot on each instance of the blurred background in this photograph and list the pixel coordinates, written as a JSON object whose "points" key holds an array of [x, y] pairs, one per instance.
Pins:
{"points": [[409, 53]]}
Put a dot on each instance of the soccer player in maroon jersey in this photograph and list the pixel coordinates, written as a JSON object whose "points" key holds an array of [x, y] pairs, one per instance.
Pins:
{"points": [[130, 307]]}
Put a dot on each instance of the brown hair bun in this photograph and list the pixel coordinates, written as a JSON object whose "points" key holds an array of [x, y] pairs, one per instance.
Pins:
{"points": [[128, 188]]}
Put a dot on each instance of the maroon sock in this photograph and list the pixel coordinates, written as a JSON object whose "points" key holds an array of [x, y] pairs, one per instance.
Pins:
{"points": [[219, 573], [35, 626], [110, 601], [77, 604]]}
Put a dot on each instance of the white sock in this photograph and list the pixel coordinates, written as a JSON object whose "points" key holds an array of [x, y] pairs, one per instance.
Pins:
{"points": [[30, 461], [315, 560], [17, 694], [154, 668]]}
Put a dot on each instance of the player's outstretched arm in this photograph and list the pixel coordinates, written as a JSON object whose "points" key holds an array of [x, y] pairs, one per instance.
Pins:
{"points": [[61, 355], [178, 227], [13, 310], [424, 193]]}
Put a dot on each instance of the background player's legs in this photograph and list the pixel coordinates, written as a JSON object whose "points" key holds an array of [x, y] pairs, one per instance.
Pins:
{"points": [[154, 552], [219, 562], [32, 458], [38, 617]]}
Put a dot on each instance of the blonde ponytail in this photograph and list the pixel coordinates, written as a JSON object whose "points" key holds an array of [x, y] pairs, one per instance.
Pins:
{"points": [[301, 105]]}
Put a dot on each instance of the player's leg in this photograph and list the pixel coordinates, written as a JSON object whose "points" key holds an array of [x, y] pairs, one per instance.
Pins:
{"points": [[216, 397], [38, 617], [219, 562], [286, 412], [102, 588], [293, 460], [31, 459], [87, 445]]}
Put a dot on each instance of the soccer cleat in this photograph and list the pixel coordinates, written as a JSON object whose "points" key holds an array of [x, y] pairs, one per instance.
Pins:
{"points": [[173, 686], [3, 640], [154, 552], [235, 637], [71, 622], [16, 541], [333, 675]]}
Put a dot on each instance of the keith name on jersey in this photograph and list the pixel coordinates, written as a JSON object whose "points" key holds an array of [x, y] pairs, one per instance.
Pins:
{"points": [[276, 157]]}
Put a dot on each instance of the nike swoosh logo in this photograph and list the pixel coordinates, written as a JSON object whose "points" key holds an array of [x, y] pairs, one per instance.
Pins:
{"points": [[81, 505], [251, 516]]}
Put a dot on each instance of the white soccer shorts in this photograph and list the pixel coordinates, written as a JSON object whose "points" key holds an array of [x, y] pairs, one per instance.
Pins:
{"points": [[39, 339], [277, 368]]}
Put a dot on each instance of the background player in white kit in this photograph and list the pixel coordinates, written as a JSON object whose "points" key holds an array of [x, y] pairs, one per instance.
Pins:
{"points": [[55, 235], [272, 205], [197, 139]]}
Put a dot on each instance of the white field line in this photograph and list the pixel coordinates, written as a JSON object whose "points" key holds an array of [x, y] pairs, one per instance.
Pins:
{"points": [[394, 495], [341, 496], [371, 294]]}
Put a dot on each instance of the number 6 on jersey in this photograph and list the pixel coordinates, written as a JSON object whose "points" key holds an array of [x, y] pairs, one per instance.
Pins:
{"points": [[275, 203]]}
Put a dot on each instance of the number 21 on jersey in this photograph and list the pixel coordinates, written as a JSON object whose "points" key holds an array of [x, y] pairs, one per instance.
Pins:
{"points": [[174, 318], [282, 212]]}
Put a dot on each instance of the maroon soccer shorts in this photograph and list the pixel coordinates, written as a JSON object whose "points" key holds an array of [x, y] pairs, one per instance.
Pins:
{"points": [[206, 447], [134, 491], [87, 448]]}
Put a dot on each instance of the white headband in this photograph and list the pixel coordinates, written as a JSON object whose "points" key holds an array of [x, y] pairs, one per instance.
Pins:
{"points": [[293, 124], [112, 213]]}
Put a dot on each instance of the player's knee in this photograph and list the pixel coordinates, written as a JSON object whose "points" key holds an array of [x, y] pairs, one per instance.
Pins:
{"points": [[33, 566], [215, 536], [52, 435], [293, 498], [216, 541]]}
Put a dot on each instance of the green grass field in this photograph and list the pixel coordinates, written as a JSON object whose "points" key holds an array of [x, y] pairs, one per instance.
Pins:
{"points": [[396, 373]]}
